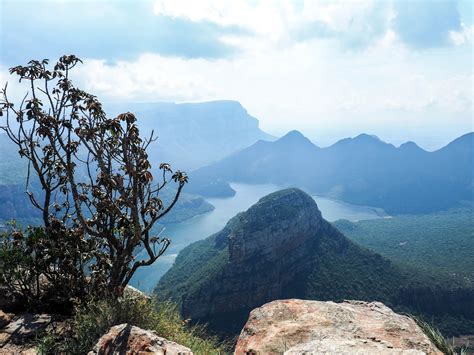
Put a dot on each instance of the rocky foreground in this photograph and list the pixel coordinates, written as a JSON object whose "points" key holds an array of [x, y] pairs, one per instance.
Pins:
{"points": [[287, 327]]}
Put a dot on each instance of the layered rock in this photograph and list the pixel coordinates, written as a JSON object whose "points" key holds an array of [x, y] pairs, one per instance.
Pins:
{"points": [[128, 339], [313, 327]]}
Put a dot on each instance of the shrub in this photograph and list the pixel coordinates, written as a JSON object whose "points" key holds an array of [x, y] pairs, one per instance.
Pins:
{"points": [[94, 318], [99, 199], [44, 271], [437, 338]]}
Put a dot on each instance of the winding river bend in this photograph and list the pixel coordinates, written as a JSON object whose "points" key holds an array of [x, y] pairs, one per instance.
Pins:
{"points": [[184, 233]]}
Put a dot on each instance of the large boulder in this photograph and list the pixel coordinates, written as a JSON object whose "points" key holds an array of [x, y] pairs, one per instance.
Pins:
{"points": [[313, 327], [128, 339]]}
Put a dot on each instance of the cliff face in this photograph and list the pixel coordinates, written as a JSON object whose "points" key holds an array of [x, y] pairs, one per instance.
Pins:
{"points": [[279, 248], [267, 249], [263, 231]]}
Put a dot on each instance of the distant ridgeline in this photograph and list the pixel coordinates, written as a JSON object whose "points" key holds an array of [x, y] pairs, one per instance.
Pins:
{"points": [[192, 135], [362, 170], [282, 248], [15, 204]]}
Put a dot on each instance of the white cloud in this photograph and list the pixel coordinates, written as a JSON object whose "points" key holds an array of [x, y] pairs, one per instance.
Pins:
{"points": [[308, 86], [312, 85], [278, 19], [263, 17], [463, 36], [150, 78]]}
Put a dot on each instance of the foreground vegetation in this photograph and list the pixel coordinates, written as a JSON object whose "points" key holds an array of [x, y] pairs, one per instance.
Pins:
{"points": [[91, 183], [94, 318], [438, 339]]}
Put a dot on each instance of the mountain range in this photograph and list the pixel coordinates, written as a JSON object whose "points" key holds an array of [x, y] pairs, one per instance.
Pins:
{"points": [[192, 135], [363, 170]]}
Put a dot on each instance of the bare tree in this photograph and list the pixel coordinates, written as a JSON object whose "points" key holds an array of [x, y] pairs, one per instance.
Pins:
{"points": [[94, 172]]}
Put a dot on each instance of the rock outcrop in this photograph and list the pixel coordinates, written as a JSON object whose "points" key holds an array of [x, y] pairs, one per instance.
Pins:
{"points": [[128, 339], [24, 327], [295, 326], [280, 248], [266, 246], [18, 333]]}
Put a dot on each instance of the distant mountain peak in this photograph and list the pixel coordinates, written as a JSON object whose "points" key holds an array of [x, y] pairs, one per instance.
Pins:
{"points": [[410, 146], [467, 138], [295, 137], [368, 138], [362, 139]]}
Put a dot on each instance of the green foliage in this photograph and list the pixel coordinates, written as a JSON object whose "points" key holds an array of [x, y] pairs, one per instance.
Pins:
{"points": [[195, 265], [439, 244], [347, 271], [437, 338], [92, 183], [94, 319], [47, 270]]}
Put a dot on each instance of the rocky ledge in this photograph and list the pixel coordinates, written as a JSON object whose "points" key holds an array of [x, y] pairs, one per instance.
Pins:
{"points": [[128, 339], [312, 327]]}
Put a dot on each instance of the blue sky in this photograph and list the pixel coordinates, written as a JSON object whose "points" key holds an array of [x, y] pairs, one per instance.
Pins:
{"points": [[400, 69]]}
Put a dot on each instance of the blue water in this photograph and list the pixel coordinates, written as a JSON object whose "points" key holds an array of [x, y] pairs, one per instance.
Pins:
{"points": [[184, 233]]}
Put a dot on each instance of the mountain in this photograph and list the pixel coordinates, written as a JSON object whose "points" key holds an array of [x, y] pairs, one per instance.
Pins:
{"points": [[279, 248], [191, 135], [363, 170]]}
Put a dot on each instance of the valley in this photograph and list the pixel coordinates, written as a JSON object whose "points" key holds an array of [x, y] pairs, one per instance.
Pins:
{"points": [[246, 177]]}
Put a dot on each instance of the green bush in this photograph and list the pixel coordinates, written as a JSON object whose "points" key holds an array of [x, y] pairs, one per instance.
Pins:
{"points": [[437, 338], [94, 318], [45, 271]]}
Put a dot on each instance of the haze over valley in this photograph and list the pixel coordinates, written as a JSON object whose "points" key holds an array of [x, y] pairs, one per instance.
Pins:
{"points": [[246, 177]]}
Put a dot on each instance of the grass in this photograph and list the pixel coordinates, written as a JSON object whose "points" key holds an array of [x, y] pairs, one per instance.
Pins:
{"points": [[438, 339], [95, 318]]}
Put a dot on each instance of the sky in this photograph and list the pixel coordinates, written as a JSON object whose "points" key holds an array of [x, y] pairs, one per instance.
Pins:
{"points": [[399, 69]]}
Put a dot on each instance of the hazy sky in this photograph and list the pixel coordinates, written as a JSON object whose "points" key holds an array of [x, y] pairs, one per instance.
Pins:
{"points": [[400, 69]]}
